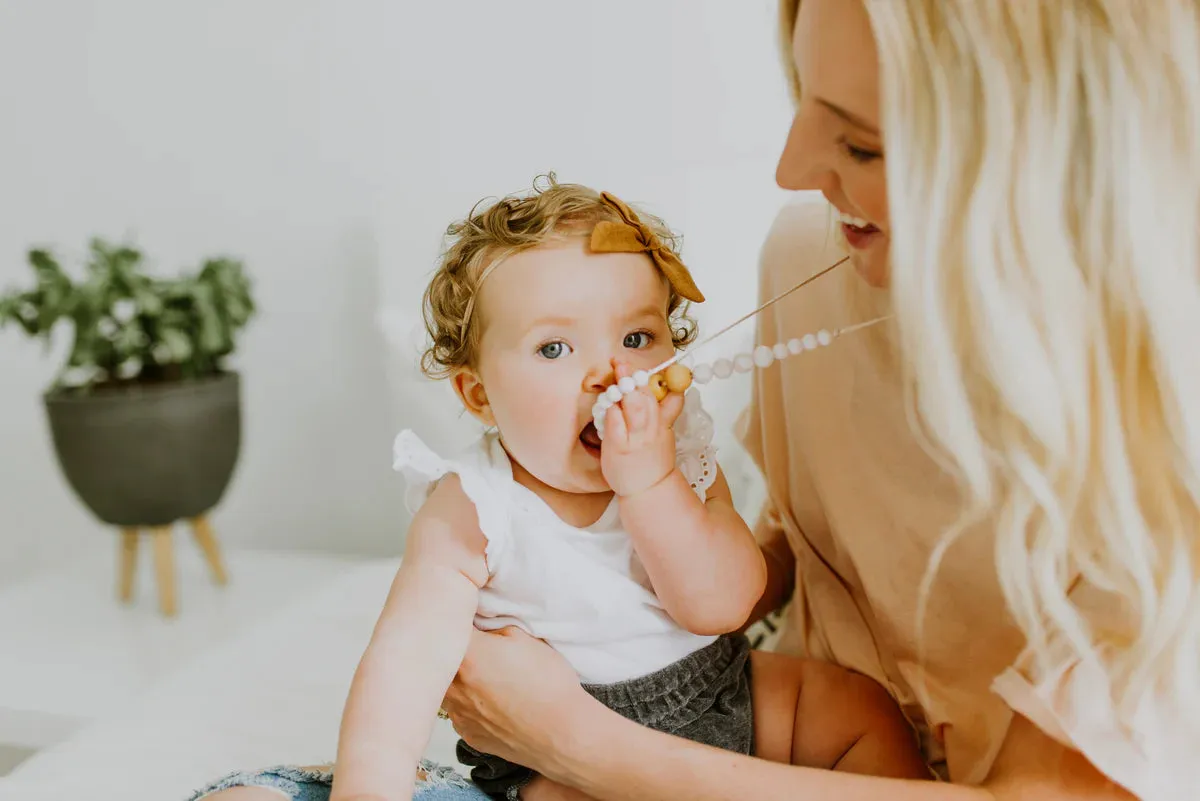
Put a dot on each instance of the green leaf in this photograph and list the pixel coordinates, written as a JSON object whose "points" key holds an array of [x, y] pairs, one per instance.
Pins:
{"points": [[213, 333], [125, 320], [147, 302], [178, 343]]}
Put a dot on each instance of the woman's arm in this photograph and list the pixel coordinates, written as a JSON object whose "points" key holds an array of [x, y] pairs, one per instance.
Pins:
{"points": [[615, 760], [415, 650], [635, 763], [550, 724]]}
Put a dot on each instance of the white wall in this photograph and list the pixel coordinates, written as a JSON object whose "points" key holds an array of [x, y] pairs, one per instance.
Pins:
{"points": [[328, 144], [680, 106]]}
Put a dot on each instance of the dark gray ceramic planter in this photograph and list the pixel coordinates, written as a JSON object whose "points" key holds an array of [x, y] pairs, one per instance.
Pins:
{"points": [[149, 455]]}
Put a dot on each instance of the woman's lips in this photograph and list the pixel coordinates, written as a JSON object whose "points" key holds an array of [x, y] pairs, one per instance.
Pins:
{"points": [[859, 238], [858, 232]]}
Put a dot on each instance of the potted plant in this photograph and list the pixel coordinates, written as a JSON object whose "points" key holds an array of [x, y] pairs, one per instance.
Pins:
{"points": [[144, 416]]}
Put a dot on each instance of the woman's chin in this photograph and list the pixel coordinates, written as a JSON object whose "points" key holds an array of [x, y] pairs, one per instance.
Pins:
{"points": [[869, 259], [872, 268]]}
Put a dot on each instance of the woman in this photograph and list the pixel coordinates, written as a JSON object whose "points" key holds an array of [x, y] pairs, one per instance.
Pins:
{"points": [[1019, 187]]}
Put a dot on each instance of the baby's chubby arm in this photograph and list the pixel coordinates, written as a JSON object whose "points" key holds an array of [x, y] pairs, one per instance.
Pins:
{"points": [[417, 646], [701, 557]]}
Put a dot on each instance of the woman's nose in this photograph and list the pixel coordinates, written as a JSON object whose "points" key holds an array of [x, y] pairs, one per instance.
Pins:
{"points": [[801, 164]]}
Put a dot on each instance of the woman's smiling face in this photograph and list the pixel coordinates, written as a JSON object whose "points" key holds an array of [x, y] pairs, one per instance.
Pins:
{"points": [[835, 144]]}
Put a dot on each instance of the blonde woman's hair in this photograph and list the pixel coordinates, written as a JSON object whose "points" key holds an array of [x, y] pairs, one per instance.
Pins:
{"points": [[788, 11], [498, 229], [1043, 168]]}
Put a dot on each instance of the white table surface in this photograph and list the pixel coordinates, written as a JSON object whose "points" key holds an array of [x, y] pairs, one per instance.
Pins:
{"points": [[71, 653]]}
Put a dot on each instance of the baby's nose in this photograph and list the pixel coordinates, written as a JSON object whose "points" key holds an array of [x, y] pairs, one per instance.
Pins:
{"points": [[600, 376]]}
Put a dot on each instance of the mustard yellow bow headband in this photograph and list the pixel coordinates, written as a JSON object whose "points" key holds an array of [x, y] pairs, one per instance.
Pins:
{"points": [[631, 235]]}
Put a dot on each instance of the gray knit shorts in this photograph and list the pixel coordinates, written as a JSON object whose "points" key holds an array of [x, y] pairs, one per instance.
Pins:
{"points": [[703, 697]]}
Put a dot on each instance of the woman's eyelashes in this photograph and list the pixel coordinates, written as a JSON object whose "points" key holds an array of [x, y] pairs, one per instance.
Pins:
{"points": [[860, 154]]}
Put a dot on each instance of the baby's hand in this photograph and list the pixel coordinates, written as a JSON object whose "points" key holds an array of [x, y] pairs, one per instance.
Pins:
{"points": [[639, 442]]}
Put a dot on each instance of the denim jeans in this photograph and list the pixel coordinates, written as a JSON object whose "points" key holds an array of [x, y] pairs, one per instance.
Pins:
{"points": [[704, 697], [302, 784]]}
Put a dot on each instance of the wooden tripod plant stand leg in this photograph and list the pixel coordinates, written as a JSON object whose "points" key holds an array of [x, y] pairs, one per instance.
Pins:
{"points": [[164, 561]]}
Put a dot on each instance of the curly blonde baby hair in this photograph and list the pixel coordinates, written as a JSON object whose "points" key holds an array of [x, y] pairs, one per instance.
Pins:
{"points": [[498, 230]]}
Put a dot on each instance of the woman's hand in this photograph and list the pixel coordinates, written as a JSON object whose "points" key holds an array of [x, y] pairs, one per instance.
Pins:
{"points": [[513, 695]]}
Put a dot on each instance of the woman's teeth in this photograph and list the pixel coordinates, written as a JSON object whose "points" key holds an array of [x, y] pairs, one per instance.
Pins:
{"points": [[849, 219]]}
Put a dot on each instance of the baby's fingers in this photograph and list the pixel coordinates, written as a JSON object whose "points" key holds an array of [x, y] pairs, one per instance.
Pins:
{"points": [[621, 369], [670, 408], [616, 433], [641, 411]]}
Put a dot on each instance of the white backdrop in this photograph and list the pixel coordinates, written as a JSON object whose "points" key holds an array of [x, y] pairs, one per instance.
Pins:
{"points": [[329, 143], [679, 106]]}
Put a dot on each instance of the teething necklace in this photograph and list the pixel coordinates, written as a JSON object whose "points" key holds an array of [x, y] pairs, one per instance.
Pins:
{"points": [[671, 376]]}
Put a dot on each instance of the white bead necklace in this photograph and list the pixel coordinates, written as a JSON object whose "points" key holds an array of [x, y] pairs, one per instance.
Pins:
{"points": [[670, 376], [762, 356]]}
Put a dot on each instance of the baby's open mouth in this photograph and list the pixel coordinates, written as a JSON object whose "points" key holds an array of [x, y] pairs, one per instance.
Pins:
{"points": [[590, 438]]}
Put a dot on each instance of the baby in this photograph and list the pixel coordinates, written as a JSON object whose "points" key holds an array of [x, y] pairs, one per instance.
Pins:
{"points": [[624, 554]]}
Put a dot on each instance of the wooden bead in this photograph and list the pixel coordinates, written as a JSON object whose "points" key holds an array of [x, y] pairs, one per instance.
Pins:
{"points": [[658, 385], [678, 377]]}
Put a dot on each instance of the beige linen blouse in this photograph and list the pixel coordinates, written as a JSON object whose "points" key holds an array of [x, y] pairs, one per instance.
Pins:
{"points": [[863, 507]]}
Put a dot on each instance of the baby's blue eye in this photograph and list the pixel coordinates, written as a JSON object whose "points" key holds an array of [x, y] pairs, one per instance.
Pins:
{"points": [[554, 350], [638, 339]]}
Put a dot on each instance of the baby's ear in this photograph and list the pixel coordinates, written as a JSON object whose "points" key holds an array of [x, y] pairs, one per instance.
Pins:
{"points": [[469, 388]]}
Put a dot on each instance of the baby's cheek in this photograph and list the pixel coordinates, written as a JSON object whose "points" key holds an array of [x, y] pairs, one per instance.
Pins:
{"points": [[537, 411]]}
